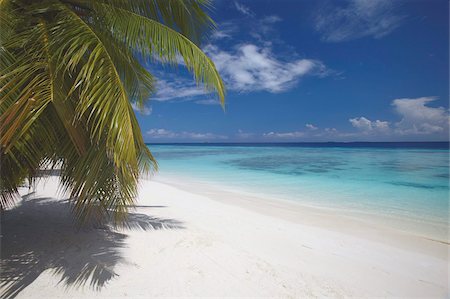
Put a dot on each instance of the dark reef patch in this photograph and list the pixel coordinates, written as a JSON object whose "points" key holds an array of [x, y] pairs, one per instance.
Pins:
{"points": [[291, 165], [417, 185]]}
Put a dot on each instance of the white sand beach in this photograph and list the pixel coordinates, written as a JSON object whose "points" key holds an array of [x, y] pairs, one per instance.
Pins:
{"points": [[184, 242]]}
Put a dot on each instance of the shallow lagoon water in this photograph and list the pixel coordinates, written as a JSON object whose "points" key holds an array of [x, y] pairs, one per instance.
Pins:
{"points": [[409, 182]]}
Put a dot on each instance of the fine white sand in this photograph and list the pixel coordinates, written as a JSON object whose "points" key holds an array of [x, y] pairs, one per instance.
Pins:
{"points": [[185, 242]]}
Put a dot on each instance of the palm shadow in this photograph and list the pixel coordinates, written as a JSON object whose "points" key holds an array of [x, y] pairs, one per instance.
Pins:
{"points": [[40, 235]]}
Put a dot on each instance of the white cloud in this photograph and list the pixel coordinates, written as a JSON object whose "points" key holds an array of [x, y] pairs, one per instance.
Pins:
{"points": [[287, 135], [225, 30], [271, 19], [331, 130], [168, 134], [161, 133], [418, 118], [369, 126], [417, 121], [263, 27], [311, 127], [179, 88], [243, 9], [315, 134], [258, 28], [245, 66], [220, 34], [208, 102], [146, 110], [251, 68], [361, 123], [358, 18], [241, 134]]}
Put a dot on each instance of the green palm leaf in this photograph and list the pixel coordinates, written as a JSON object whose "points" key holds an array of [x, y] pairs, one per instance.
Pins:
{"points": [[69, 70]]}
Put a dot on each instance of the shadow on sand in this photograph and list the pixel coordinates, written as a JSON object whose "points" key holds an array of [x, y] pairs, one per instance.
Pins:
{"points": [[40, 235]]}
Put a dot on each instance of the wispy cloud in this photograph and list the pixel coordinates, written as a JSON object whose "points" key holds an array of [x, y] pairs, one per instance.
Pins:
{"points": [[252, 29], [208, 102], [146, 110], [168, 134], [264, 27], [225, 30], [243, 9], [356, 19], [179, 88], [310, 134], [241, 134], [284, 135], [311, 127], [221, 34], [251, 68]]}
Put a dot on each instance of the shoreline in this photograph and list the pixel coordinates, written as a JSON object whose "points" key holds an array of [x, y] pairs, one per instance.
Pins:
{"points": [[249, 199], [181, 242]]}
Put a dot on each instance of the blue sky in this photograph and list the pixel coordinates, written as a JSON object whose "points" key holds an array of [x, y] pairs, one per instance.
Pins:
{"points": [[354, 70]]}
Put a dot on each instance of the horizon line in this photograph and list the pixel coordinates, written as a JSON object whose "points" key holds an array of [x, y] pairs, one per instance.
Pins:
{"points": [[290, 142]]}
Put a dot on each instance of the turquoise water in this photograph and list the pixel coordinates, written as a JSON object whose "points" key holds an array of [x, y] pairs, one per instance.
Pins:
{"points": [[409, 182]]}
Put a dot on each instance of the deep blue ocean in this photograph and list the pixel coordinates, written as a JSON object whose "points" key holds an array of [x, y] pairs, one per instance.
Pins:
{"points": [[402, 180]]}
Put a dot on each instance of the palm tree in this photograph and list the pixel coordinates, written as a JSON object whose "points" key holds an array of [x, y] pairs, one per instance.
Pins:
{"points": [[70, 70]]}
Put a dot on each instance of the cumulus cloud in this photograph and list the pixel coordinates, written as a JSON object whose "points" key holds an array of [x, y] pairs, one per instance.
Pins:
{"points": [[245, 61], [417, 121], [369, 126], [252, 68], [168, 134], [246, 68], [356, 19], [419, 118]]}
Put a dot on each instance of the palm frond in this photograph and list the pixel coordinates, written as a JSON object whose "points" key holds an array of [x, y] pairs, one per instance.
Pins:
{"points": [[150, 38], [69, 70]]}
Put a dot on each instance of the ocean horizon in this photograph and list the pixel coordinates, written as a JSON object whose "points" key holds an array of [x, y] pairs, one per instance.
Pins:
{"points": [[373, 144]]}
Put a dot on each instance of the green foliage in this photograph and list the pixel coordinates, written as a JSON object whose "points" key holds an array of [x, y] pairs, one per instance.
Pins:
{"points": [[69, 71]]}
